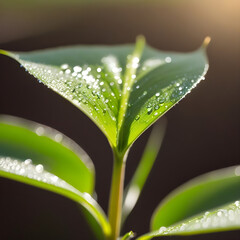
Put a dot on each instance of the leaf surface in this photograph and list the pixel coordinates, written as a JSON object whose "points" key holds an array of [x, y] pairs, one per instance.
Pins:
{"points": [[43, 157], [22, 139], [123, 89], [201, 194], [36, 175], [223, 219]]}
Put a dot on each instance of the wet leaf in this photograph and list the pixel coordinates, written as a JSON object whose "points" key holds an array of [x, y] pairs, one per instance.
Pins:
{"points": [[225, 218], [206, 192], [36, 175], [22, 139], [123, 89], [40, 156]]}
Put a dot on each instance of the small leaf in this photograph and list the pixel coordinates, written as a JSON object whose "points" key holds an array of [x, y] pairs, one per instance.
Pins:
{"points": [[128, 235], [122, 89], [206, 192], [225, 218], [139, 178], [36, 175]]}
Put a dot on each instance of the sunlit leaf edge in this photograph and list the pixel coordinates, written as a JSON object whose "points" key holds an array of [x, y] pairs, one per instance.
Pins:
{"points": [[225, 218], [9, 168], [125, 147], [214, 176], [50, 133]]}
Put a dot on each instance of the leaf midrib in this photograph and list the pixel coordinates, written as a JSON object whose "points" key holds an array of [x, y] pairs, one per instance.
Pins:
{"points": [[128, 82]]}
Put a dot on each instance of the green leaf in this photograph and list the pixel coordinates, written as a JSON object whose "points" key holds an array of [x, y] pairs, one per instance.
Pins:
{"points": [[206, 192], [128, 235], [36, 175], [121, 88], [40, 156], [133, 191], [223, 219], [58, 154]]}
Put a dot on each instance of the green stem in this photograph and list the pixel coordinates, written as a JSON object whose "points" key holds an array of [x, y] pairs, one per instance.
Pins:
{"points": [[116, 195]]}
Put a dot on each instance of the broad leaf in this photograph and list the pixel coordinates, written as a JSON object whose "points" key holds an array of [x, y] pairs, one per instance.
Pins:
{"points": [[133, 190], [58, 154], [223, 219], [36, 175], [206, 192], [40, 156], [123, 89]]}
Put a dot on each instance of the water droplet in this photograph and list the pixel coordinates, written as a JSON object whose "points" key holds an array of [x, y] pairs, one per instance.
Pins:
{"points": [[161, 100], [119, 81], [64, 66], [157, 94], [137, 87], [39, 168], [104, 90], [99, 69], [137, 117], [74, 74], [111, 83], [28, 161], [84, 73], [168, 59], [237, 203], [162, 229], [101, 83], [206, 213], [144, 93], [237, 171], [149, 110], [40, 131], [77, 69], [58, 137]]}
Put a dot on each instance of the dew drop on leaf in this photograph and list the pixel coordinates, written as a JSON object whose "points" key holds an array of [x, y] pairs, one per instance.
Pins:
{"points": [[64, 66], [149, 110], [39, 168], [168, 59], [77, 69]]}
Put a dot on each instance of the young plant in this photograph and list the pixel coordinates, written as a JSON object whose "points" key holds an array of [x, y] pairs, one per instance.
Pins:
{"points": [[123, 90]]}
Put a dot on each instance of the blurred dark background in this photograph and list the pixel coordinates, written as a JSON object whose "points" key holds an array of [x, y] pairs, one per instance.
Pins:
{"points": [[203, 130]]}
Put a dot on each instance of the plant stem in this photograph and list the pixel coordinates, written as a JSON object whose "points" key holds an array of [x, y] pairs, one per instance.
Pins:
{"points": [[116, 195]]}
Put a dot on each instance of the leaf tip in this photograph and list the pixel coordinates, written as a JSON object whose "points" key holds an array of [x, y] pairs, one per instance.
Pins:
{"points": [[3, 52], [206, 41]]}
